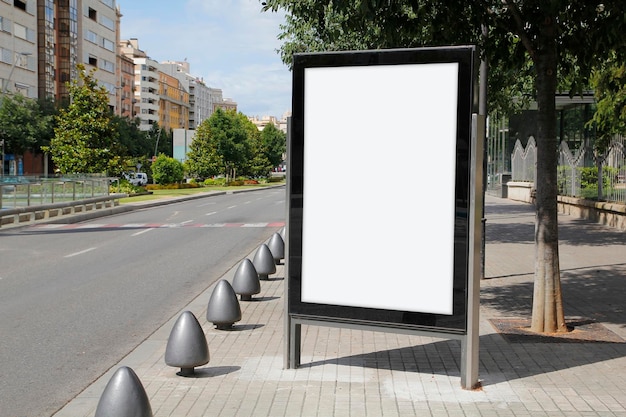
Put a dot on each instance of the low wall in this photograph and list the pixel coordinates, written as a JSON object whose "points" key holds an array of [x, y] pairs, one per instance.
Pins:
{"points": [[609, 214], [25, 215], [520, 191]]}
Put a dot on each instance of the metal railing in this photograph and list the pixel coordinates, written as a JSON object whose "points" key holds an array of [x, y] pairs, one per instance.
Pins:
{"points": [[604, 181], [21, 191]]}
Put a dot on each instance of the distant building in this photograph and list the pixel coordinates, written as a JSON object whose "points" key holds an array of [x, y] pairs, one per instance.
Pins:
{"points": [[173, 102], [260, 123], [199, 94], [145, 84]]}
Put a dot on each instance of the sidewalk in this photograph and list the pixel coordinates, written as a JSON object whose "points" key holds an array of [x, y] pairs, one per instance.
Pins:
{"points": [[361, 373]]}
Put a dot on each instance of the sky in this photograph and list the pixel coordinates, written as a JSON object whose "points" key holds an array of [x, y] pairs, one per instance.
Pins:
{"points": [[231, 44]]}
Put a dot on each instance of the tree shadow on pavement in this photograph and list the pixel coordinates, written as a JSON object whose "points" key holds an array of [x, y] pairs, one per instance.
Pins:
{"points": [[500, 360]]}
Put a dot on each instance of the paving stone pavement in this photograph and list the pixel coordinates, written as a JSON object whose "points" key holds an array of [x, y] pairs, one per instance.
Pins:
{"points": [[363, 373]]}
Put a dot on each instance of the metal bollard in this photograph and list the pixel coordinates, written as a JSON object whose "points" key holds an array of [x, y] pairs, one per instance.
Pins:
{"points": [[264, 262], [246, 280], [223, 309], [187, 347], [124, 396], [277, 247]]}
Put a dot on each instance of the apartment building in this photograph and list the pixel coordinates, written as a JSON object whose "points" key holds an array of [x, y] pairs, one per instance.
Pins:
{"points": [[125, 74], [173, 103], [145, 83], [98, 46], [199, 94], [18, 47]]}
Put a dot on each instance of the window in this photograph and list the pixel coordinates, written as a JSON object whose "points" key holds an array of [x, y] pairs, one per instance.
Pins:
{"points": [[91, 37], [5, 24], [107, 22], [108, 45], [19, 4], [93, 61], [93, 15], [107, 65]]}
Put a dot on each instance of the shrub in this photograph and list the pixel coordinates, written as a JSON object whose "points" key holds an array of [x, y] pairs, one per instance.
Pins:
{"points": [[213, 182], [125, 187], [166, 170]]}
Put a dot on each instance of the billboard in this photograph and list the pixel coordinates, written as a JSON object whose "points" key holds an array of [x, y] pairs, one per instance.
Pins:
{"points": [[378, 210]]}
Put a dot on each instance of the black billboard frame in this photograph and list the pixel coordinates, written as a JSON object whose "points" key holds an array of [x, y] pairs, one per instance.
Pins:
{"points": [[462, 323]]}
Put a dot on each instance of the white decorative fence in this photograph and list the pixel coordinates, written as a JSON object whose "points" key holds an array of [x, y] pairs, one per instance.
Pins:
{"points": [[605, 182]]}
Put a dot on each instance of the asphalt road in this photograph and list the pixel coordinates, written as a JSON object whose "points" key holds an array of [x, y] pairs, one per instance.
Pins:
{"points": [[75, 299]]}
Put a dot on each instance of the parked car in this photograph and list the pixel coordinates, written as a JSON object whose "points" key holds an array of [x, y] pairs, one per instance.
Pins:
{"points": [[139, 178], [136, 178]]}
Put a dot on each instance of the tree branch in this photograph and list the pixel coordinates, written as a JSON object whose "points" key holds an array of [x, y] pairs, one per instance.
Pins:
{"points": [[519, 23]]}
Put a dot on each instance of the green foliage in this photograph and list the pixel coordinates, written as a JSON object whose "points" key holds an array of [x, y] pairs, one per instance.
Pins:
{"points": [[203, 159], [24, 124], [273, 144], [160, 141], [224, 144], [85, 140], [215, 182], [609, 84], [514, 38], [123, 186], [133, 142], [167, 170]]}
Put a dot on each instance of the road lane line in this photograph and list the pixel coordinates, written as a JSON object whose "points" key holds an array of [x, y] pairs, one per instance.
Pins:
{"points": [[211, 213], [142, 232], [79, 253], [231, 207]]}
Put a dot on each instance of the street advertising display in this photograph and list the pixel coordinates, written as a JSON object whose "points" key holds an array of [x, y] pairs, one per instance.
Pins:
{"points": [[378, 188]]}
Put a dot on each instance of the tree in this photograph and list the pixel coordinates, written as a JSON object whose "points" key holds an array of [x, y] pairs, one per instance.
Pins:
{"points": [[609, 85], [230, 132], [161, 141], [133, 141], [85, 139], [203, 160], [23, 124], [274, 144], [545, 45], [167, 170]]}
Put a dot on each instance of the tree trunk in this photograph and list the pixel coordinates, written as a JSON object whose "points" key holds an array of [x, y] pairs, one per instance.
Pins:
{"points": [[547, 311]]}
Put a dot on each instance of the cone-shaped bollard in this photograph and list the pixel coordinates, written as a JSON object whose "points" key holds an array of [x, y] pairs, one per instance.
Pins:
{"points": [[277, 247], [264, 262], [223, 309], [187, 346], [124, 396], [246, 280]]}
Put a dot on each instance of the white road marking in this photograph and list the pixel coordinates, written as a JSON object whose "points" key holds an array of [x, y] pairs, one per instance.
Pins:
{"points": [[231, 207], [79, 253], [211, 213], [142, 232]]}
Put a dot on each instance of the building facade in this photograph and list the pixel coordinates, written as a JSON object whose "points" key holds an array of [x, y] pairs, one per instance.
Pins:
{"points": [[173, 103], [18, 47], [145, 85], [98, 48]]}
